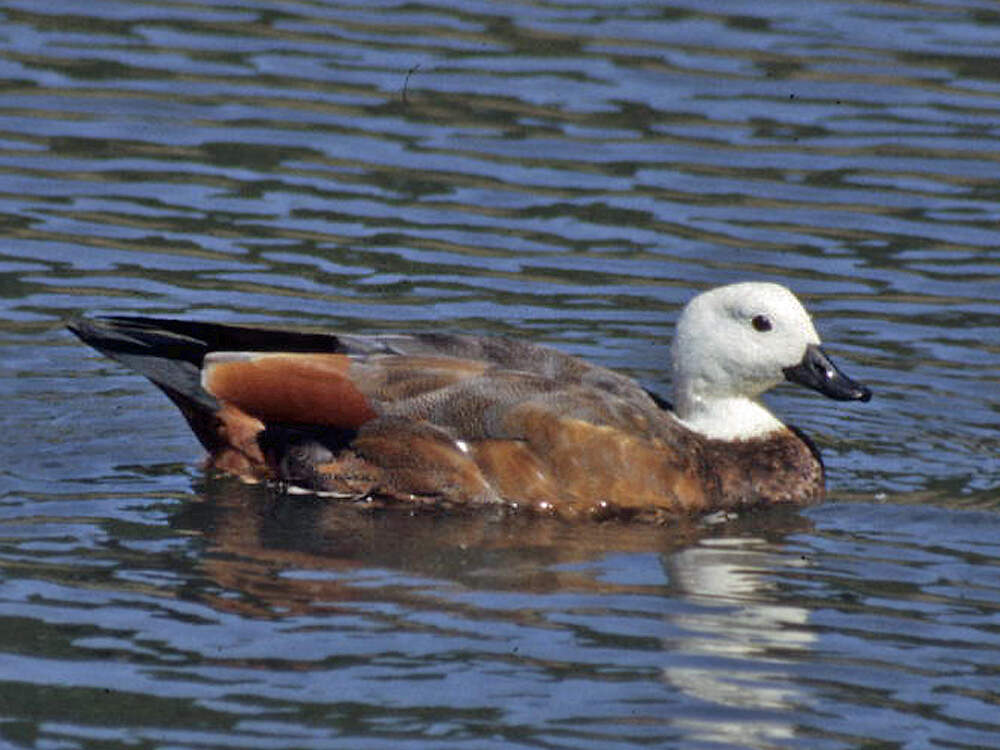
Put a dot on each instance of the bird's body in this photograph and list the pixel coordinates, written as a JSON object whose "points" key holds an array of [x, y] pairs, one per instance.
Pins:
{"points": [[449, 420]]}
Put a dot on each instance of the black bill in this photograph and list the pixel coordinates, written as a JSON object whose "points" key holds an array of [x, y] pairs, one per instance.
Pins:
{"points": [[817, 371]]}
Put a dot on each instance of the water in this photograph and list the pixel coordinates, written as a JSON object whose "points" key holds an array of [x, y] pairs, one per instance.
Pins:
{"points": [[567, 172]]}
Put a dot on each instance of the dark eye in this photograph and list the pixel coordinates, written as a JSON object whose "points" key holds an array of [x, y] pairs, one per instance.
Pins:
{"points": [[761, 323]]}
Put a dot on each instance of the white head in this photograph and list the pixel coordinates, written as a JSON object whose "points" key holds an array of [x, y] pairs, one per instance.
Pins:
{"points": [[733, 343]]}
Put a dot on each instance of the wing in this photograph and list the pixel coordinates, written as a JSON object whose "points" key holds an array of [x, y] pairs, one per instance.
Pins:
{"points": [[472, 397], [330, 390]]}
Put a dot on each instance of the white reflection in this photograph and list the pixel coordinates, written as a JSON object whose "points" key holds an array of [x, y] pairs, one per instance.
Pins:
{"points": [[741, 643]]}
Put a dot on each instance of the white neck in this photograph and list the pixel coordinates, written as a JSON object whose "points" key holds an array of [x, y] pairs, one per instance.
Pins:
{"points": [[729, 418]]}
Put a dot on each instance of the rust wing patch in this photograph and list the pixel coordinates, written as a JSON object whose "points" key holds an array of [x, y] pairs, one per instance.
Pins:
{"points": [[314, 389]]}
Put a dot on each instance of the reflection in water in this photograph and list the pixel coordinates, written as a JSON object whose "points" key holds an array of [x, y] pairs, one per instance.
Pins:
{"points": [[262, 546], [739, 655], [276, 557]]}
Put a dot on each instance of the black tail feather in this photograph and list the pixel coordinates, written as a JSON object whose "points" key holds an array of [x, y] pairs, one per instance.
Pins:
{"points": [[192, 340], [170, 353], [171, 360]]}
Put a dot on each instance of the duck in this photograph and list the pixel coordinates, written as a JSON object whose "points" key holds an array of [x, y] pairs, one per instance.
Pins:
{"points": [[451, 421]]}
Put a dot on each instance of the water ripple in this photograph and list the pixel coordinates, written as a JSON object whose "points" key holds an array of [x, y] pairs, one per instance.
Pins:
{"points": [[571, 173]]}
